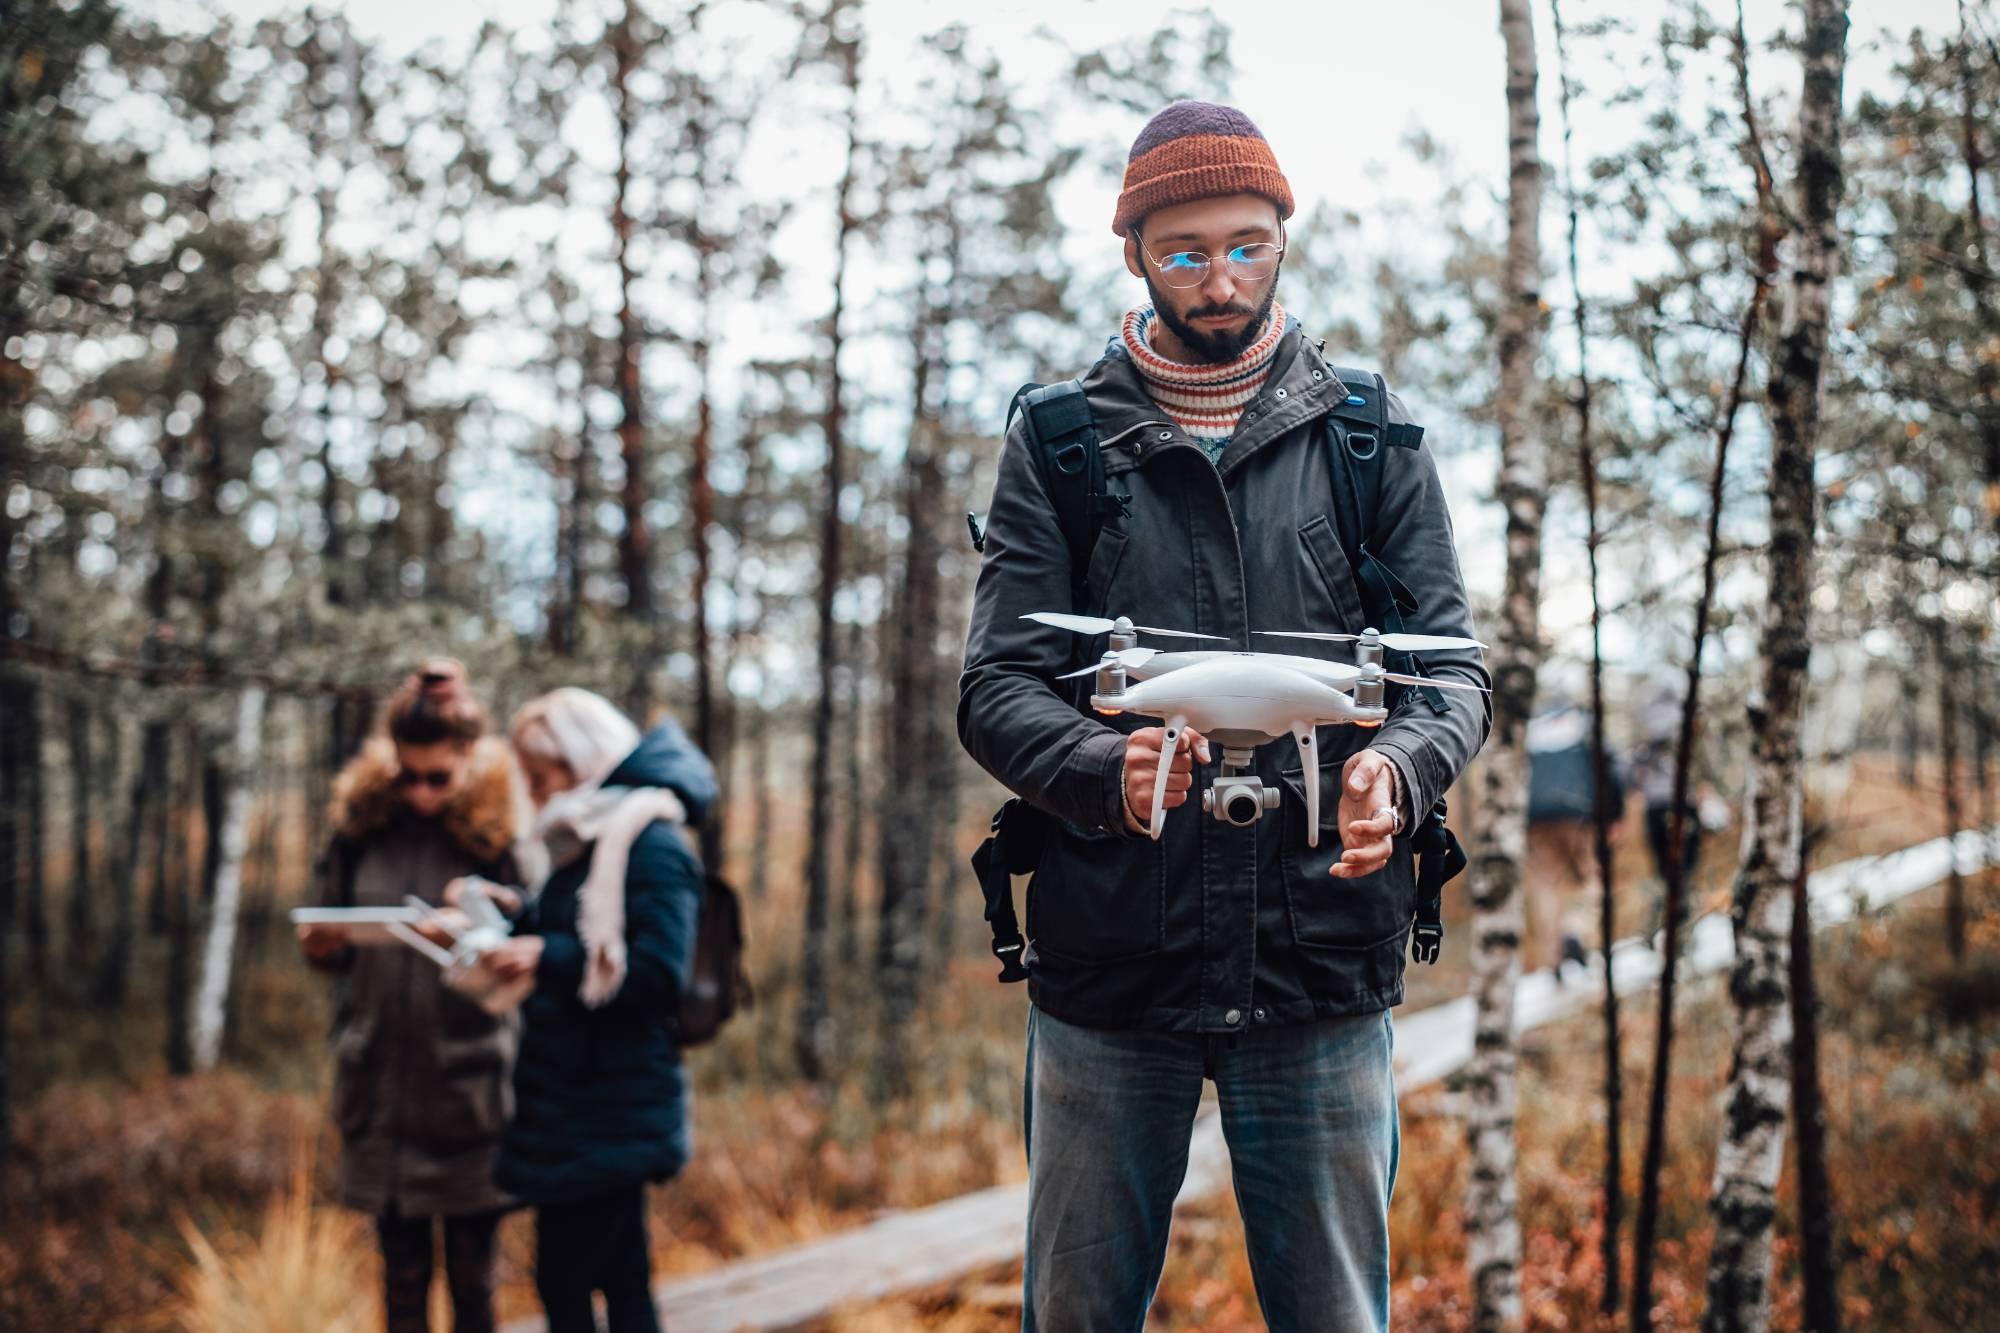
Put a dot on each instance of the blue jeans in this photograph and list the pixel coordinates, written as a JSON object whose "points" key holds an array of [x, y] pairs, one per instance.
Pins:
{"points": [[1309, 1113]]}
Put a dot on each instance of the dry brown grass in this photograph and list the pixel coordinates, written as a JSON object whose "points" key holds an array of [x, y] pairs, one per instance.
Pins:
{"points": [[305, 1269]]}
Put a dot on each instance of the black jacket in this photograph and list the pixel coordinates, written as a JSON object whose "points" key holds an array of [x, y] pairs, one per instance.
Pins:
{"points": [[1212, 928], [600, 1095]]}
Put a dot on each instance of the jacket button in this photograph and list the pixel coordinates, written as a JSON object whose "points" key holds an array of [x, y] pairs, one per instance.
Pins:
{"points": [[1233, 1017], [1283, 394], [1259, 1013], [1319, 374], [1166, 435]]}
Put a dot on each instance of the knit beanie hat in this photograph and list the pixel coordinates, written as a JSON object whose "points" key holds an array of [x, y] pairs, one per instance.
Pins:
{"points": [[1197, 150]]}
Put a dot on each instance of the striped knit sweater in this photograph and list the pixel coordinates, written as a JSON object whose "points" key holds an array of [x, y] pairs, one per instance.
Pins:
{"points": [[1205, 401]]}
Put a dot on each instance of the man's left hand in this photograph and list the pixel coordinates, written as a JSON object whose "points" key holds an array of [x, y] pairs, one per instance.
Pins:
{"points": [[1367, 819]]}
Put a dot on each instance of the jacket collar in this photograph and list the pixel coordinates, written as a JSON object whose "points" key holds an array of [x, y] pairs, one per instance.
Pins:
{"points": [[1131, 427]]}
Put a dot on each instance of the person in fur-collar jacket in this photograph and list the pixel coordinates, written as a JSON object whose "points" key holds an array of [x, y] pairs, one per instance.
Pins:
{"points": [[422, 1075]]}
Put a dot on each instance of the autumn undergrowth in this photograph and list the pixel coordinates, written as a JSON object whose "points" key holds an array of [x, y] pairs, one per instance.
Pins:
{"points": [[135, 1200]]}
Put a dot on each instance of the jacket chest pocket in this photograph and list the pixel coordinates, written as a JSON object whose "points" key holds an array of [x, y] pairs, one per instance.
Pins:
{"points": [[1329, 913], [1328, 573], [1099, 579], [1097, 897]]}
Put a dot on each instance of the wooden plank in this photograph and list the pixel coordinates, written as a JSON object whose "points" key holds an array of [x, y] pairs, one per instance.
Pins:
{"points": [[927, 1247]]}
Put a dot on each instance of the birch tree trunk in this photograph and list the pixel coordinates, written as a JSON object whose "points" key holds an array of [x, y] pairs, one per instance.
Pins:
{"points": [[1744, 1194], [1819, 1271], [232, 839], [1492, 1224], [1770, 231]]}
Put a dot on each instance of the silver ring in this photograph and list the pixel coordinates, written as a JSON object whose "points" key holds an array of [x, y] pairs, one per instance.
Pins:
{"points": [[1394, 814]]}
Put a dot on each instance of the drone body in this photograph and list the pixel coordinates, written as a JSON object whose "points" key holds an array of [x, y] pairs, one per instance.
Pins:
{"points": [[1242, 703], [1243, 700]]}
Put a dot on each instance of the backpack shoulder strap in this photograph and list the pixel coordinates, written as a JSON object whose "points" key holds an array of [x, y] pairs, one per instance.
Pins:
{"points": [[1063, 436], [1359, 429]]}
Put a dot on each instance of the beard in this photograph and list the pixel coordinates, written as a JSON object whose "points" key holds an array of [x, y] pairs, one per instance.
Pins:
{"points": [[1213, 348]]}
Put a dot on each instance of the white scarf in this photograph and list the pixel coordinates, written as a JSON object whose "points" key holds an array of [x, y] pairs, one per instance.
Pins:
{"points": [[610, 820]]}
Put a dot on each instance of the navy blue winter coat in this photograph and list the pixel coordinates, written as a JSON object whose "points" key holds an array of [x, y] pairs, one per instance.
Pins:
{"points": [[601, 1097]]}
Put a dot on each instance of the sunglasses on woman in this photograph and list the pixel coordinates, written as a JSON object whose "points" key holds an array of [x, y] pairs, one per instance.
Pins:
{"points": [[436, 779]]}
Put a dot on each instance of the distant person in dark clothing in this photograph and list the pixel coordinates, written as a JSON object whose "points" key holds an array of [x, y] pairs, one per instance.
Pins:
{"points": [[1562, 830], [421, 1074], [1653, 774], [601, 1095]]}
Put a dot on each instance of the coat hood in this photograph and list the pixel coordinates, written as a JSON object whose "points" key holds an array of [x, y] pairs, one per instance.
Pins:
{"points": [[481, 818], [665, 757]]}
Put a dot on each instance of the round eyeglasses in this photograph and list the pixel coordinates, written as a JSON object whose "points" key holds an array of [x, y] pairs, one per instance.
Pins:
{"points": [[1189, 268]]}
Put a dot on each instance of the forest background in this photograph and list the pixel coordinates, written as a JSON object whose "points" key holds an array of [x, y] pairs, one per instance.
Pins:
{"points": [[663, 348]]}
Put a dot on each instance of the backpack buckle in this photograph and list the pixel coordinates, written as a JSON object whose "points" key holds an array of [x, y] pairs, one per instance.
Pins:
{"points": [[1425, 941], [1008, 951]]}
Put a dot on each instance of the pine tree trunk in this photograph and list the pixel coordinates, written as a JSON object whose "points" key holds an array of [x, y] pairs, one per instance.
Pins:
{"points": [[171, 870], [814, 1038], [1819, 1273], [114, 973], [114, 965], [1492, 1222], [1979, 280], [33, 812], [320, 149], [635, 544], [760, 805], [1748, 1159], [902, 931], [83, 798], [231, 839], [1954, 809], [854, 807], [13, 689], [1769, 232], [701, 507]]}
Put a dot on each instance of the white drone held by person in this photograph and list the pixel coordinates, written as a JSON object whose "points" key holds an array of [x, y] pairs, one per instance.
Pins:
{"points": [[1241, 700], [474, 924]]}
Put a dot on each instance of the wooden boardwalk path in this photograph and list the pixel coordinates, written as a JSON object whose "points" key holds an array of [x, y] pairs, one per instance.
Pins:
{"points": [[929, 1246]]}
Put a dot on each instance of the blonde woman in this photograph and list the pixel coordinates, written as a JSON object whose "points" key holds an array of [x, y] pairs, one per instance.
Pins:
{"points": [[421, 1074], [600, 1094]]}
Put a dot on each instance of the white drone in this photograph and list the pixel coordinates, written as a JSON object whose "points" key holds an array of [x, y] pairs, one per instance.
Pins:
{"points": [[1243, 700], [476, 928]]}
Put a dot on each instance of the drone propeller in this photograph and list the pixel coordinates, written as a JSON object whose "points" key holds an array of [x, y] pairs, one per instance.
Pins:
{"points": [[1130, 659], [1099, 625], [1402, 643]]}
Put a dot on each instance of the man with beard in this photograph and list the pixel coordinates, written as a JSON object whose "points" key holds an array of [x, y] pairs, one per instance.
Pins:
{"points": [[1236, 481]]}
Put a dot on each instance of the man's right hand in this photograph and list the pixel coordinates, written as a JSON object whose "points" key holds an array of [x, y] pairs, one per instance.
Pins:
{"points": [[1142, 773]]}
